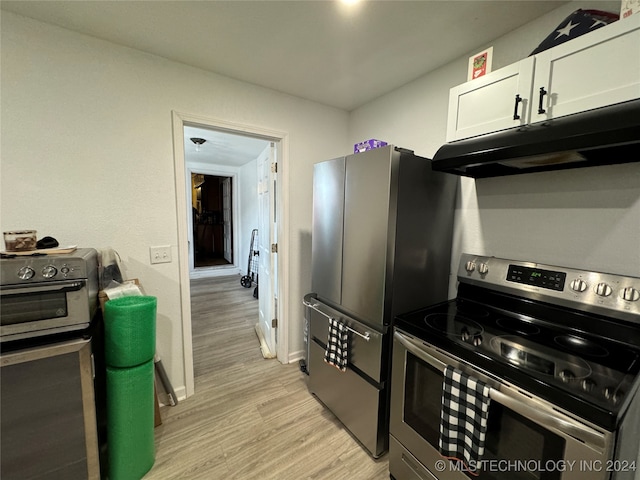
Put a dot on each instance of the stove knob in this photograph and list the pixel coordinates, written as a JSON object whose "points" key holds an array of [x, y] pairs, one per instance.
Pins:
{"points": [[477, 340], [603, 290], [566, 376], [483, 268], [470, 266], [612, 394], [25, 273], [630, 294], [465, 334], [578, 285], [588, 385], [49, 271]]}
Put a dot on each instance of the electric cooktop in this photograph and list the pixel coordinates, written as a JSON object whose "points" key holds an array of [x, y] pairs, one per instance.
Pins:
{"points": [[540, 328]]}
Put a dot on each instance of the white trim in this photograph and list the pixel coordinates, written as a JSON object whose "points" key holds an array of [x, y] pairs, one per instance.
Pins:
{"points": [[180, 173], [216, 171], [163, 397], [282, 140], [295, 356], [284, 302]]}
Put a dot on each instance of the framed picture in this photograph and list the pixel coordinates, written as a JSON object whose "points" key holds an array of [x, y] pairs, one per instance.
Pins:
{"points": [[480, 64]]}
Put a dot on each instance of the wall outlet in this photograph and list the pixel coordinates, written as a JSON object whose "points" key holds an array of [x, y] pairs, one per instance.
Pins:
{"points": [[160, 254]]}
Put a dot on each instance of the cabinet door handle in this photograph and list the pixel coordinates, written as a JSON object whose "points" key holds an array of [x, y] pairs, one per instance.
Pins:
{"points": [[543, 92], [515, 107]]}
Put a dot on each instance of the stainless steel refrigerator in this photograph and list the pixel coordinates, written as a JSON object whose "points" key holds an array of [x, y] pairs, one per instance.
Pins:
{"points": [[381, 246]]}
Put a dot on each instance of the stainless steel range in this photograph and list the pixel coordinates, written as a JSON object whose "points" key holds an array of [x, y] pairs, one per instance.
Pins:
{"points": [[47, 294], [559, 349]]}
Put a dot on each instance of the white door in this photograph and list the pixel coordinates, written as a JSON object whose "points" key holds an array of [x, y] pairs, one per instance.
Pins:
{"points": [[226, 218], [267, 288]]}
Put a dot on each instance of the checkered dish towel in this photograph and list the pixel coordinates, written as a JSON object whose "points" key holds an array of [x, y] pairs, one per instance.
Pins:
{"points": [[337, 353], [463, 420]]}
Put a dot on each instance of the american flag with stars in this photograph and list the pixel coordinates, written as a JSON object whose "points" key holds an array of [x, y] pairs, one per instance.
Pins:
{"points": [[576, 24]]}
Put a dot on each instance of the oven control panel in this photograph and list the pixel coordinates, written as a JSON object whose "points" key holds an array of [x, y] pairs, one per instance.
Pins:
{"points": [[606, 293], [27, 269], [537, 277]]}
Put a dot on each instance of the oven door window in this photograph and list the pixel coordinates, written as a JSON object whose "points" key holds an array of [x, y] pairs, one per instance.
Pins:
{"points": [[32, 307], [514, 448]]}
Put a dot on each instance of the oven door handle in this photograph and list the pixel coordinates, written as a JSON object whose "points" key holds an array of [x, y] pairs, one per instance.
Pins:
{"points": [[419, 352], [46, 288], [522, 405], [567, 426]]}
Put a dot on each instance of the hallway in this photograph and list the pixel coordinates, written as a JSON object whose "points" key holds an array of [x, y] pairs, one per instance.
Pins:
{"points": [[250, 418]]}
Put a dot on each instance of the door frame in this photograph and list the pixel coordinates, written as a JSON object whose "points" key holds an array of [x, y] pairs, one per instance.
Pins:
{"points": [[281, 139], [235, 267]]}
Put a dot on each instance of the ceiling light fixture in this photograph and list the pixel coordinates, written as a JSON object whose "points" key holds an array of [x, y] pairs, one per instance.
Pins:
{"points": [[198, 142]]}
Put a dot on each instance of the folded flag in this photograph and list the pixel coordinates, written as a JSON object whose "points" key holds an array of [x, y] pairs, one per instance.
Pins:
{"points": [[576, 24]]}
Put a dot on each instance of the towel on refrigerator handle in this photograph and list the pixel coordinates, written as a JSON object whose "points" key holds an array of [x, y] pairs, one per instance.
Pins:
{"points": [[337, 353], [463, 419]]}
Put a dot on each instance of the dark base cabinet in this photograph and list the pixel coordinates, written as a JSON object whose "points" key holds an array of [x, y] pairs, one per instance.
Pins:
{"points": [[48, 415]]}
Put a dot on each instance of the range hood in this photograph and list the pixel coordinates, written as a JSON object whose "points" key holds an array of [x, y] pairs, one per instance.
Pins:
{"points": [[603, 136]]}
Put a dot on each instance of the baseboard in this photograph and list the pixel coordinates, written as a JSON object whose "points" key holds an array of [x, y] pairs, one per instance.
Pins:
{"points": [[163, 398], [295, 356], [181, 392]]}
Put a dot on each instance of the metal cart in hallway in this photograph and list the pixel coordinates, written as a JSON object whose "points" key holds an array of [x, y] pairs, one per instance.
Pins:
{"points": [[251, 278]]}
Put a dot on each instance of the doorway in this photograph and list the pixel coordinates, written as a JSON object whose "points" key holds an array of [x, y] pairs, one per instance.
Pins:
{"points": [[237, 174], [211, 201]]}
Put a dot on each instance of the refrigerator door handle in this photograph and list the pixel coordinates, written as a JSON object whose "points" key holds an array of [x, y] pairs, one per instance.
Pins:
{"points": [[366, 335]]}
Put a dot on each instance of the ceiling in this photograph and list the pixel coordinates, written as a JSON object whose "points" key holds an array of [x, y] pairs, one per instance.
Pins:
{"points": [[221, 148], [325, 51]]}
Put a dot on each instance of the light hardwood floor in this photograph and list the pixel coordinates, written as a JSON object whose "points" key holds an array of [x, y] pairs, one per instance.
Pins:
{"points": [[250, 418]]}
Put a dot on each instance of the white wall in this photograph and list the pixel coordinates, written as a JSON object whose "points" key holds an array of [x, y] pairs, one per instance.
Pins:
{"points": [[87, 155], [248, 208], [584, 218]]}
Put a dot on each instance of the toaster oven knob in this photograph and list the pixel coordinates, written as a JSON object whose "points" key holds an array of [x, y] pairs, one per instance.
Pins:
{"points": [[49, 271], [566, 376], [578, 285], [630, 294], [470, 266], [483, 268], [477, 340], [588, 385], [603, 290], [25, 273]]}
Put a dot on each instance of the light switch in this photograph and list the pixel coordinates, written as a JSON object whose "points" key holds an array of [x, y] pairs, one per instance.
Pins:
{"points": [[160, 254]]}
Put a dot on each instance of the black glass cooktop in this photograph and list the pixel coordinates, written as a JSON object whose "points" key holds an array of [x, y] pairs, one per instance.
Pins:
{"points": [[558, 354]]}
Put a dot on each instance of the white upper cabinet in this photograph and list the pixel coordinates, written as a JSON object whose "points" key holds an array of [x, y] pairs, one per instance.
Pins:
{"points": [[595, 70], [493, 102]]}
